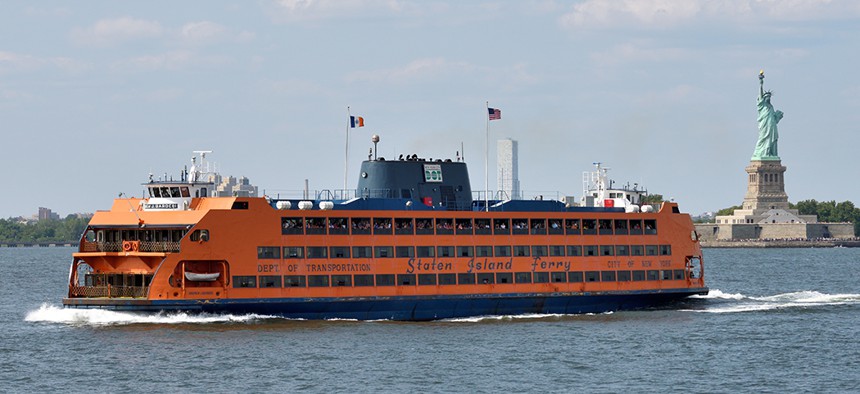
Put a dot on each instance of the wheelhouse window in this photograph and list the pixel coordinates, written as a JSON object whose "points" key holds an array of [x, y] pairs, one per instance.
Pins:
{"points": [[268, 252]]}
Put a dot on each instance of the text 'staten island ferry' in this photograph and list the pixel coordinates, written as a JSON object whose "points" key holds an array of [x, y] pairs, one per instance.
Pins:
{"points": [[412, 244]]}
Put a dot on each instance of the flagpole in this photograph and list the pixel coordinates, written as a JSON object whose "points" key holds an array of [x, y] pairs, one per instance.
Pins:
{"points": [[487, 161], [346, 152]]}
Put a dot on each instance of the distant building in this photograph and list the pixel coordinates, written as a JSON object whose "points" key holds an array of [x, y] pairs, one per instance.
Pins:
{"points": [[231, 187], [509, 178], [46, 214]]}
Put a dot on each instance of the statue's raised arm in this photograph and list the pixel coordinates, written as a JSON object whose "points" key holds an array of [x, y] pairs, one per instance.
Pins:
{"points": [[766, 147]]}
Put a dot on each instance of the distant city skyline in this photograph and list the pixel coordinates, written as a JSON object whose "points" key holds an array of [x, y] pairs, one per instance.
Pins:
{"points": [[95, 96]]}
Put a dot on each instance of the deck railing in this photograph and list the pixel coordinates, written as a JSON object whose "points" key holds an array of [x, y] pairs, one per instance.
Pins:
{"points": [[145, 246], [108, 291]]}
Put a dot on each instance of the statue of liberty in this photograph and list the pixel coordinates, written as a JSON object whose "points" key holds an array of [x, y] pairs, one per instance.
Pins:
{"points": [[765, 148]]}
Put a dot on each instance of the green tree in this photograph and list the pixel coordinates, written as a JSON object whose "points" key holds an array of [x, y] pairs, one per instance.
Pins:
{"points": [[727, 211]]}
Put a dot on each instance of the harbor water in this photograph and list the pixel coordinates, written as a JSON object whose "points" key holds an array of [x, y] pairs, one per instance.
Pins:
{"points": [[777, 320]]}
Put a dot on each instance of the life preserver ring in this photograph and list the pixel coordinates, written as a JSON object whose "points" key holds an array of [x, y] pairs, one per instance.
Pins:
{"points": [[126, 246]]}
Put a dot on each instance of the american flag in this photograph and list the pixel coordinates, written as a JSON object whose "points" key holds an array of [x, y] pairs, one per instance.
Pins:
{"points": [[495, 113]]}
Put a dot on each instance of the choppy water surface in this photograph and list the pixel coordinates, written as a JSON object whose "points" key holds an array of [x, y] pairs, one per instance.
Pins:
{"points": [[776, 321]]}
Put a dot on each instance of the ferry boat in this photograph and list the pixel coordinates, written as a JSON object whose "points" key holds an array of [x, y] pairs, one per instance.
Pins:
{"points": [[411, 243]]}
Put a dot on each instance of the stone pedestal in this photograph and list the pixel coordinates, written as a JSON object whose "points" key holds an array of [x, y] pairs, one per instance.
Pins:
{"points": [[765, 186]]}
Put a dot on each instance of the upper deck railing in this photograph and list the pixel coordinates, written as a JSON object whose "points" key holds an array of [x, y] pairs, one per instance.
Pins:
{"points": [[144, 246]]}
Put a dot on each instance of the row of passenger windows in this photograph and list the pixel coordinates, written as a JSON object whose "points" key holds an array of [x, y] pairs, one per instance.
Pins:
{"points": [[467, 226], [345, 252], [275, 281]]}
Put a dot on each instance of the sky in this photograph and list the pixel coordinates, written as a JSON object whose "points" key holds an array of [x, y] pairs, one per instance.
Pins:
{"points": [[94, 96]]}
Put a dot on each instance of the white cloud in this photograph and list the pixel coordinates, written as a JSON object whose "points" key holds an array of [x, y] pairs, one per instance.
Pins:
{"points": [[661, 14], [415, 70], [108, 32], [310, 10], [10, 61], [637, 53], [202, 31], [206, 32], [172, 60]]}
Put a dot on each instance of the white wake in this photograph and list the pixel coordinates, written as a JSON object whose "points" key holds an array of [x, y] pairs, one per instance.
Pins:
{"points": [[53, 314], [732, 303]]}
